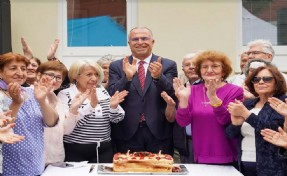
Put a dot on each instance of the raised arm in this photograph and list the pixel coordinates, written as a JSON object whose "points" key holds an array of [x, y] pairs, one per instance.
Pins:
{"points": [[50, 115], [121, 74], [26, 49], [170, 110], [52, 50]]}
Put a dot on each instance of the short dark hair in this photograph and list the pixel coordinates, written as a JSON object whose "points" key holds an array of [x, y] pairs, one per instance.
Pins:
{"points": [[280, 83], [37, 60]]}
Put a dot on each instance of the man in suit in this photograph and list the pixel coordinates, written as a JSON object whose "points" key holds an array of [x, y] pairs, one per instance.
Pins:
{"points": [[145, 126]]}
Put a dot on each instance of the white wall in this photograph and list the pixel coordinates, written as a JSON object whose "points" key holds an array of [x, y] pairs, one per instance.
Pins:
{"points": [[36, 20], [182, 26], [179, 26]]}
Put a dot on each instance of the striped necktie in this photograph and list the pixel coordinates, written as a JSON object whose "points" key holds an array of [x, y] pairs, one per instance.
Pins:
{"points": [[141, 74]]}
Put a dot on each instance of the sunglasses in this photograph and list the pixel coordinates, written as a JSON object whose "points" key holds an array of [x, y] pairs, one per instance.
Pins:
{"points": [[266, 79]]}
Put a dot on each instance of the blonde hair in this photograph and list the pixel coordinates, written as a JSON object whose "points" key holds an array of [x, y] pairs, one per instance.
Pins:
{"points": [[77, 67]]}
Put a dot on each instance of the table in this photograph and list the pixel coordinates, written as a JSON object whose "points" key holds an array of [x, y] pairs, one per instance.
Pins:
{"points": [[194, 170]]}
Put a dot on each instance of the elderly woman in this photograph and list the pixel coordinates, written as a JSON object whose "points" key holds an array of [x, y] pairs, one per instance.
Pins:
{"points": [[32, 113], [257, 157], [105, 62], [89, 109], [55, 71], [204, 106], [250, 67]]}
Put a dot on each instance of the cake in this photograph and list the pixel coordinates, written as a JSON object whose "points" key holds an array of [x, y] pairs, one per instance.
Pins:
{"points": [[142, 162]]}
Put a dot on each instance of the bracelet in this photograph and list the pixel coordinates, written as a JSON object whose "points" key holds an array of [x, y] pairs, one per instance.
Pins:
{"points": [[217, 104]]}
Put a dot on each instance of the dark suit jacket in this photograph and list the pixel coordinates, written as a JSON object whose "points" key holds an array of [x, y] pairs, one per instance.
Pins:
{"points": [[149, 102]]}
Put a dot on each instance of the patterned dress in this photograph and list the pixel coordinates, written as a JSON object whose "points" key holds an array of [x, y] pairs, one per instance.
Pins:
{"points": [[26, 157]]}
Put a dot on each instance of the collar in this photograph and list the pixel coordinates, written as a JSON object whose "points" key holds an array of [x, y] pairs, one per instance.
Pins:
{"points": [[146, 60]]}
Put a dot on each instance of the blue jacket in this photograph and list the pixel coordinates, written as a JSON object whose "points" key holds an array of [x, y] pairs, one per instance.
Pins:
{"points": [[267, 155]]}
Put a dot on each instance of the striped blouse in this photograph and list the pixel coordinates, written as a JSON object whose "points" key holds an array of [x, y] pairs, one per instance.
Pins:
{"points": [[90, 125]]}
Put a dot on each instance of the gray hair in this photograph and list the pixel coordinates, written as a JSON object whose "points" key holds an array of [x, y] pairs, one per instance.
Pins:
{"points": [[77, 67], [247, 68], [151, 35], [106, 59], [267, 46], [188, 56]]}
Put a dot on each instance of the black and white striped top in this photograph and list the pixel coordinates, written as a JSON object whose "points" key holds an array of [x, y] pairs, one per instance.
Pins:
{"points": [[91, 125]]}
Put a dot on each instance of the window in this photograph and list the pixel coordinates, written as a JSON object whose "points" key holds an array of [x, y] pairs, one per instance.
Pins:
{"points": [[95, 27], [97, 23], [266, 19]]}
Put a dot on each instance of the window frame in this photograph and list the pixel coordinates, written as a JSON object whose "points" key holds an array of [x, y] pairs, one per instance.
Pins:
{"points": [[280, 50], [92, 51]]}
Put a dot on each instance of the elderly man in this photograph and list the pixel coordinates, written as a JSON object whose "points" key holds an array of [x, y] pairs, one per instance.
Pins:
{"points": [[145, 76], [182, 135], [261, 49]]}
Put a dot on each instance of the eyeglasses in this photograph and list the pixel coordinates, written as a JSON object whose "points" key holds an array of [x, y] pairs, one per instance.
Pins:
{"points": [[52, 76], [213, 67], [255, 52], [266, 79], [136, 39]]}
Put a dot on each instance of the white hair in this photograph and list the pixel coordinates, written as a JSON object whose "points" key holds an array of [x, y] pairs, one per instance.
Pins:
{"points": [[106, 59], [190, 56], [267, 46]]}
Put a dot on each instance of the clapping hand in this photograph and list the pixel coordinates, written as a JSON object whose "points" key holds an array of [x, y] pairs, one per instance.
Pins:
{"points": [[274, 137], [278, 105], [169, 101], [182, 93], [26, 49], [237, 109], [5, 118], [129, 69], [78, 100], [94, 97], [14, 90], [52, 50], [212, 85], [155, 68], [117, 98], [7, 136], [42, 89], [170, 111]]}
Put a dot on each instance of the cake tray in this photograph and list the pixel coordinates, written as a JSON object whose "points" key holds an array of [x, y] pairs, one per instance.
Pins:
{"points": [[108, 169]]}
